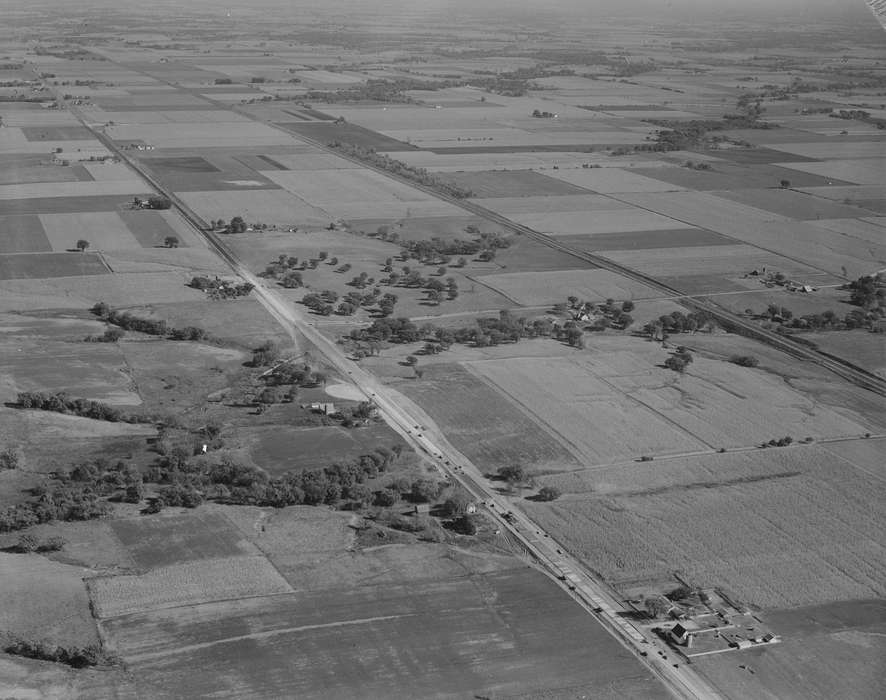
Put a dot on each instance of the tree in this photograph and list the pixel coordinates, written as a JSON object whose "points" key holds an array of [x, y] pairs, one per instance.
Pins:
{"points": [[744, 360], [157, 201], [82, 244], [785, 184], [292, 279], [411, 360], [11, 458], [265, 354], [465, 525], [424, 490], [513, 473], [171, 242], [676, 363], [387, 497], [270, 395], [548, 493], [627, 306]]}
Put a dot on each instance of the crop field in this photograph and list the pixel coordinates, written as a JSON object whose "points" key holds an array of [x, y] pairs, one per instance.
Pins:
{"points": [[360, 194], [56, 133], [22, 233], [165, 540], [326, 132], [860, 347], [511, 183], [151, 228], [822, 150], [312, 160], [558, 204], [794, 205], [32, 167], [633, 240], [860, 171], [189, 583], [626, 219], [40, 266], [199, 134], [68, 205], [781, 529], [583, 410], [41, 190], [540, 288], [864, 455], [103, 230], [267, 206], [462, 405], [514, 160], [528, 255], [612, 180], [271, 645], [728, 259], [42, 599]]}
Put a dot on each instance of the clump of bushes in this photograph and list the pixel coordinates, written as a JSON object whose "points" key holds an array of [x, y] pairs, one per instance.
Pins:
{"points": [[60, 402], [744, 360], [76, 657]]}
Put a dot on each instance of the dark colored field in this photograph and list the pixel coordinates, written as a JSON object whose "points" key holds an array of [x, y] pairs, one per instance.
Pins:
{"points": [[511, 183], [326, 132], [527, 255], [260, 163], [56, 133], [69, 205], [702, 284], [186, 164], [480, 422], [728, 176], [177, 539], [623, 108], [796, 205], [23, 234], [42, 265], [315, 114], [495, 635], [757, 155], [32, 167], [877, 205], [297, 115], [675, 238], [149, 228]]}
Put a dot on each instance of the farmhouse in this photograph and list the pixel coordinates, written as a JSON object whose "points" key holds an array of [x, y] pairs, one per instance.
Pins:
{"points": [[683, 632], [327, 409]]}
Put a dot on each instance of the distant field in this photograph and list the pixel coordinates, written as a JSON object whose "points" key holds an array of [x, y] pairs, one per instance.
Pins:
{"points": [[149, 228], [572, 223], [35, 167], [462, 405], [822, 150], [22, 234], [315, 160], [41, 190], [861, 171], [271, 645], [777, 528], [178, 539], [861, 347], [199, 134], [267, 206], [795, 205], [559, 204], [56, 133], [511, 183], [326, 132], [610, 180], [539, 288], [631, 240], [69, 205], [29, 265]]}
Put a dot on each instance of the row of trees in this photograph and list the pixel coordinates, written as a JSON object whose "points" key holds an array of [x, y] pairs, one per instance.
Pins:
{"points": [[824, 321], [678, 322], [60, 402], [150, 326], [418, 175], [76, 657]]}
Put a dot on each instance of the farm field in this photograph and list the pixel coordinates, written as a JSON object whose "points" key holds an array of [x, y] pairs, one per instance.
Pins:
{"points": [[861, 347], [23, 234], [30, 266], [632, 240], [268, 206], [795, 205], [612, 180], [511, 183], [860, 171], [532, 204], [461, 405], [730, 521], [103, 230], [70, 205], [540, 288], [326, 132], [393, 619], [609, 221]]}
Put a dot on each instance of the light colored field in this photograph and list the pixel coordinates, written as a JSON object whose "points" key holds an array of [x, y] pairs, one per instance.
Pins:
{"points": [[39, 117], [605, 221], [611, 180], [827, 245], [703, 210], [838, 193], [539, 288], [103, 172], [841, 150], [200, 134], [862, 171], [267, 206], [30, 426], [777, 528], [595, 420], [711, 260], [103, 230], [12, 140], [36, 190], [864, 455], [468, 137], [178, 116], [359, 193], [551, 204], [450, 162], [186, 584], [42, 599]]}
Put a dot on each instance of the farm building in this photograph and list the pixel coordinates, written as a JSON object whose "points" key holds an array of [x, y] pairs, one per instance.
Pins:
{"points": [[683, 632], [325, 408]]}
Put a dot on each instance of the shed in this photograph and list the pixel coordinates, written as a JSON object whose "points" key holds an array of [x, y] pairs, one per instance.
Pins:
{"points": [[422, 509], [682, 632]]}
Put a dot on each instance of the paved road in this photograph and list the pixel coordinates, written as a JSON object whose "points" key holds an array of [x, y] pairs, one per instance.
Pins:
{"points": [[416, 428]]}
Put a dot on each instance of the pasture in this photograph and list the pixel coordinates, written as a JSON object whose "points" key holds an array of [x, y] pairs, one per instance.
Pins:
{"points": [[33, 167], [860, 171], [103, 230], [634, 240], [42, 190], [199, 134], [779, 528], [164, 540], [791, 204], [326, 132], [551, 287], [613, 180], [531, 204], [22, 233], [151, 228], [271, 645], [267, 206], [625, 219], [462, 406]]}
